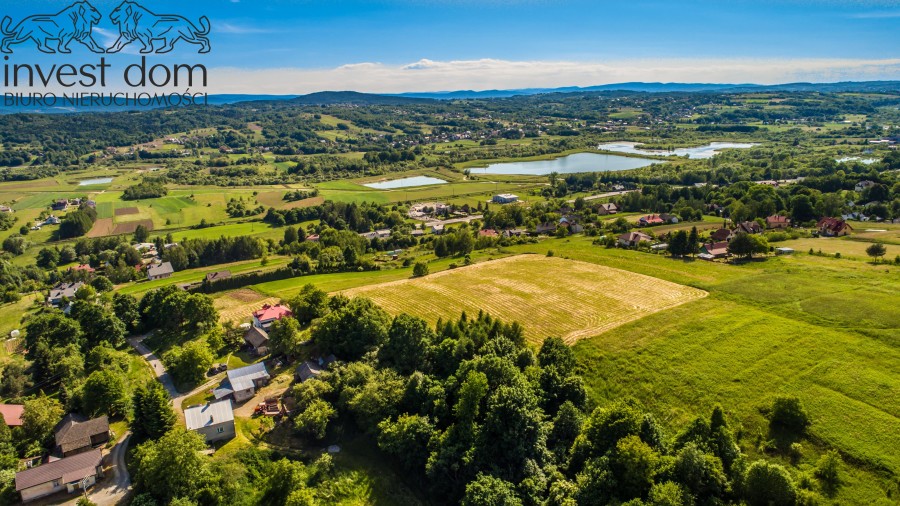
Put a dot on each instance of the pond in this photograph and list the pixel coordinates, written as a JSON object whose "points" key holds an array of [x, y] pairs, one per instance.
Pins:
{"points": [[405, 182], [699, 152], [99, 180], [866, 161], [579, 162]]}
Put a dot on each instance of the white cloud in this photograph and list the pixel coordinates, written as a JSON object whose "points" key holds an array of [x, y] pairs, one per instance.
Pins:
{"points": [[429, 75]]}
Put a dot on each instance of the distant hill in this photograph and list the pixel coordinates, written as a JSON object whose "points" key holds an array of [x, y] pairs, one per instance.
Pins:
{"points": [[344, 97], [850, 86], [357, 98]]}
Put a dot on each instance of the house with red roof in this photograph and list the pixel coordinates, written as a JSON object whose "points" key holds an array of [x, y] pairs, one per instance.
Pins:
{"points": [[83, 267], [12, 414], [712, 250], [488, 232], [722, 235], [269, 313], [833, 227], [776, 222], [650, 220]]}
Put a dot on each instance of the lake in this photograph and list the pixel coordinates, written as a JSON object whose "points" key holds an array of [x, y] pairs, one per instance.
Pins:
{"points": [[579, 162], [699, 152], [99, 180], [405, 182]]}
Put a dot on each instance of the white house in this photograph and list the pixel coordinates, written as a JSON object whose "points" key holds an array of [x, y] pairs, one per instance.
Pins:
{"points": [[214, 421]]}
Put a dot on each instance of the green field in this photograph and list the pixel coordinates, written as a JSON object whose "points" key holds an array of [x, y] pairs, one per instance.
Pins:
{"points": [[823, 329]]}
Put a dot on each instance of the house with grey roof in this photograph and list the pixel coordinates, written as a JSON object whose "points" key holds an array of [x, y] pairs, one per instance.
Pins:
{"points": [[70, 474], [76, 434], [258, 339], [243, 382], [63, 291], [161, 271], [213, 421]]}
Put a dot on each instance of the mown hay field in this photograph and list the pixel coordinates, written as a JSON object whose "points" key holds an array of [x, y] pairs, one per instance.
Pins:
{"points": [[549, 296]]}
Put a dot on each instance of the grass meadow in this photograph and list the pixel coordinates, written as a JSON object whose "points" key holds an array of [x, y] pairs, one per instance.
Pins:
{"points": [[823, 329]]}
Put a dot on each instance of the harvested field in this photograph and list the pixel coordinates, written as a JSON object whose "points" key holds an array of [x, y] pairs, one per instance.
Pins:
{"points": [[123, 211], [130, 227], [549, 296], [298, 204], [102, 228]]}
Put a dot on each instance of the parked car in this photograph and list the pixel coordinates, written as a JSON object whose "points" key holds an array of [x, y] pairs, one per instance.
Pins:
{"points": [[216, 369]]}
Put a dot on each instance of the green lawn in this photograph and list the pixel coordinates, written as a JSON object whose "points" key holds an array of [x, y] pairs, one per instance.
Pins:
{"points": [[196, 275]]}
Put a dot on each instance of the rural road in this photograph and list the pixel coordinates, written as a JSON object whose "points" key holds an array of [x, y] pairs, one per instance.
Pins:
{"points": [[467, 219], [165, 378], [603, 195]]}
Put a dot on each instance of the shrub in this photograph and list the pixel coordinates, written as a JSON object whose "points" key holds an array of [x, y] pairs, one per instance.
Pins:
{"points": [[420, 269], [828, 470], [769, 485], [788, 414]]}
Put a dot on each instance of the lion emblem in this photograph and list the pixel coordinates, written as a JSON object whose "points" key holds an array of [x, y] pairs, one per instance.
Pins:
{"points": [[136, 23], [75, 22]]}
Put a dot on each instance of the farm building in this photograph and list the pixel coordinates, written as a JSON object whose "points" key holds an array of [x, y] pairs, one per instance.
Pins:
{"points": [[264, 317], [258, 339], [784, 251], [213, 421], [76, 434], [505, 198], [312, 368], [69, 474], [243, 382], [161, 271]]}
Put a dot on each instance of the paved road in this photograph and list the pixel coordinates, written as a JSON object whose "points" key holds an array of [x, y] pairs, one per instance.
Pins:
{"points": [[155, 363]]}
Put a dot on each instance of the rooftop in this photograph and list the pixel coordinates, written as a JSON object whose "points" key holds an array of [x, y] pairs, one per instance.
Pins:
{"points": [[161, 269], [270, 313], [69, 469], [12, 414], [242, 379], [75, 432], [213, 413]]}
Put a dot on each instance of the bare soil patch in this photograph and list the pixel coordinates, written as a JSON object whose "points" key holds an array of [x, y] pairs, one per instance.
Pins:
{"points": [[131, 226], [102, 228]]}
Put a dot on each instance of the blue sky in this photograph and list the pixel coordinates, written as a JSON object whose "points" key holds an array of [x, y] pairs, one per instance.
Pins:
{"points": [[295, 46]]}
